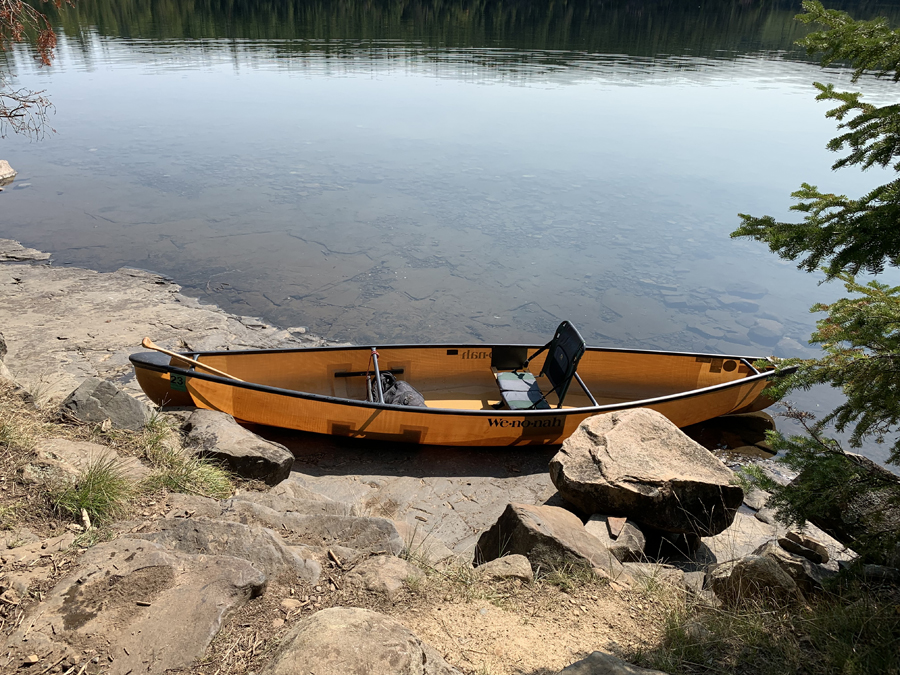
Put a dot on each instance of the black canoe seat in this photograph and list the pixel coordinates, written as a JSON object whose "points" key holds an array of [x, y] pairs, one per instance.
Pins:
{"points": [[520, 390]]}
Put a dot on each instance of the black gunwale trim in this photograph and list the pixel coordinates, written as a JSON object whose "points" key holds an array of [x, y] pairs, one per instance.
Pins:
{"points": [[291, 393]]}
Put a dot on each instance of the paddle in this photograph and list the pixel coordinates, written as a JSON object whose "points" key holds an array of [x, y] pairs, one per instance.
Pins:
{"points": [[147, 343]]}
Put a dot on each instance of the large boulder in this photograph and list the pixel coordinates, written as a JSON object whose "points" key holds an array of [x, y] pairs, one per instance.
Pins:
{"points": [[636, 463], [97, 400], [548, 536], [217, 435], [339, 641], [154, 609]]}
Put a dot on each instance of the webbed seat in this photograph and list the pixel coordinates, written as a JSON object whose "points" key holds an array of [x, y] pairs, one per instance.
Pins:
{"points": [[519, 388]]}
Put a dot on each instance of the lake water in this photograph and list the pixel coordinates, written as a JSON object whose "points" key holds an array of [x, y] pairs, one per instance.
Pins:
{"points": [[427, 172]]}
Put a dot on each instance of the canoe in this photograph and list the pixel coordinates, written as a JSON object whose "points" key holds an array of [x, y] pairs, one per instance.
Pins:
{"points": [[327, 390]]}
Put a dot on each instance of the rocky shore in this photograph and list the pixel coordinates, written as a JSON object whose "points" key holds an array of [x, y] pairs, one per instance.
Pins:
{"points": [[331, 556]]}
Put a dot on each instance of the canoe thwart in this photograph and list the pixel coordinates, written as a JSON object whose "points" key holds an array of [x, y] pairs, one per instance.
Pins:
{"points": [[362, 373]]}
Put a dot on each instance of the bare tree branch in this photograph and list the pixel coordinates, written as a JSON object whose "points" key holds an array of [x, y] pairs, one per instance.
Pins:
{"points": [[22, 110]]}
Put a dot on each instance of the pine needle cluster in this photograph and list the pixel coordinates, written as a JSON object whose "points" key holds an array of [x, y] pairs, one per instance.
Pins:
{"points": [[859, 334]]}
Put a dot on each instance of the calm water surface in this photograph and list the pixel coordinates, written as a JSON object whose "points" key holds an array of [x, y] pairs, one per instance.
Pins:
{"points": [[428, 179]]}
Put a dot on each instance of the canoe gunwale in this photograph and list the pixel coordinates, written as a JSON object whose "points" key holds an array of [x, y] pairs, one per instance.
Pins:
{"points": [[690, 393]]}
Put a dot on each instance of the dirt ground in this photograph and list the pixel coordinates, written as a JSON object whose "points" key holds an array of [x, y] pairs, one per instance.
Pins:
{"points": [[481, 628]]}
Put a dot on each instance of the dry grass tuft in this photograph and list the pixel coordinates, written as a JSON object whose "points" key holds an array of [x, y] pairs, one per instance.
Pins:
{"points": [[102, 489], [851, 629]]}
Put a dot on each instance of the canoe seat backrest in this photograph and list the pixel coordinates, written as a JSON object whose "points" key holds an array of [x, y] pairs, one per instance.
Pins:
{"points": [[563, 354], [520, 390]]}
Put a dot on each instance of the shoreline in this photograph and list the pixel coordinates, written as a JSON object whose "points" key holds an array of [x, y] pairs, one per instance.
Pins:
{"points": [[64, 324]]}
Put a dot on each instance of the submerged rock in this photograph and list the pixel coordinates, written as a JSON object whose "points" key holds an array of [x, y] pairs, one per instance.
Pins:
{"points": [[7, 173]]}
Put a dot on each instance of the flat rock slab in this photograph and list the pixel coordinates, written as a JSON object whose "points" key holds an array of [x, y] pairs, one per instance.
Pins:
{"points": [[217, 436], [260, 546], [61, 459], [23, 550], [744, 536], [308, 505], [157, 609], [636, 463], [64, 324], [548, 536], [448, 495], [340, 641], [13, 251], [364, 533], [96, 401], [601, 663]]}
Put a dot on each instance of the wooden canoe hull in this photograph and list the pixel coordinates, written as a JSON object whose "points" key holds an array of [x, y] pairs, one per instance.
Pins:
{"points": [[309, 390]]}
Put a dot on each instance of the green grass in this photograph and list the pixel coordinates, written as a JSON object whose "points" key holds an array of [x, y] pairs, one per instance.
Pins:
{"points": [[175, 470], [853, 629], [102, 490], [566, 574]]}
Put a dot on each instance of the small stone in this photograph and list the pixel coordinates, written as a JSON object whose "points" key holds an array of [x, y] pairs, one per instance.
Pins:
{"points": [[507, 567], [615, 526], [801, 544], [31, 659], [277, 623], [290, 604]]}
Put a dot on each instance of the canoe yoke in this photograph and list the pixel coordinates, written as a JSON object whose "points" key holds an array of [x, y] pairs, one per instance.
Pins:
{"points": [[519, 389]]}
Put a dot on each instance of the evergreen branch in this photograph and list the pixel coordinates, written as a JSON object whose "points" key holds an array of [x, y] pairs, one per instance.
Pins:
{"points": [[868, 45], [844, 235]]}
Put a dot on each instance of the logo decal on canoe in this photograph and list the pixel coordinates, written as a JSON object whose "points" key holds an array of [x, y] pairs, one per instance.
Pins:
{"points": [[539, 423], [475, 354]]}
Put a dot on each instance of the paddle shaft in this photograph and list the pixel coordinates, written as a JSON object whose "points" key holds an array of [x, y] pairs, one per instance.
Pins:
{"points": [[147, 343]]}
